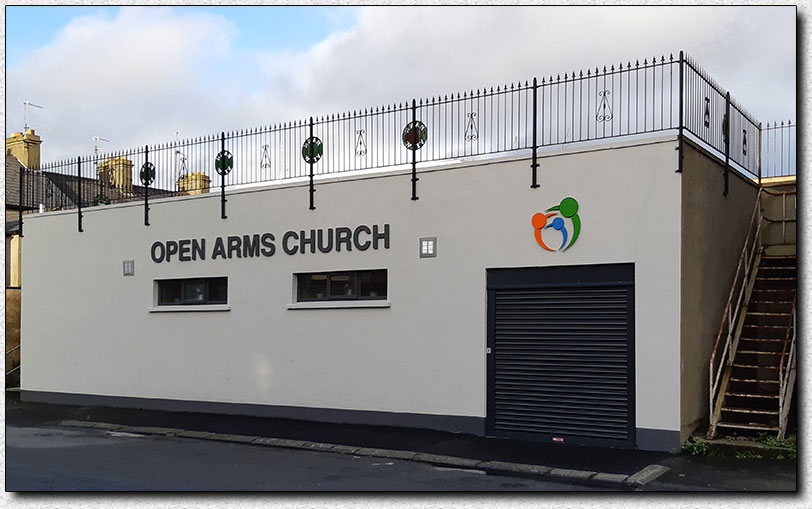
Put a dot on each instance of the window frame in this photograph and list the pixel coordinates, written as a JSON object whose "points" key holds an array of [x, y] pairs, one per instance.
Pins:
{"points": [[356, 296]]}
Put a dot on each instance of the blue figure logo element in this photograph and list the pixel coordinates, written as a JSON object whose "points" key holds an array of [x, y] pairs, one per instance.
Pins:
{"points": [[558, 224]]}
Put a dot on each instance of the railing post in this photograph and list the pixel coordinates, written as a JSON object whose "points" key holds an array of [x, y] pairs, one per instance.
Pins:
{"points": [[22, 183], [726, 135], [534, 165], [681, 111], [759, 154], [414, 150], [146, 172], [223, 176], [79, 186], [311, 163]]}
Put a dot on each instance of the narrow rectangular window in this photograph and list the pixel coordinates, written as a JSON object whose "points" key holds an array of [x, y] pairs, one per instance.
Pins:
{"points": [[344, 285], [183, 292]]}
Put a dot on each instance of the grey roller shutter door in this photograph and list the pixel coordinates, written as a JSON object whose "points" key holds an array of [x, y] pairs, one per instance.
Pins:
{"points": [[561, 363]]}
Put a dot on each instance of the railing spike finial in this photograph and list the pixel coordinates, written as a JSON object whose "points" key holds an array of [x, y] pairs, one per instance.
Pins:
{"points": [[613, 68], [671, 57], [581, 73], [604, 68], [637, 63], [588, 73], [645, 61]]}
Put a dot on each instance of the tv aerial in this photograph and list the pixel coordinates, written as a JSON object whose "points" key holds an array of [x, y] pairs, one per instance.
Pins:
{"points": [[96, 140], [26, 104], [180, 156]]}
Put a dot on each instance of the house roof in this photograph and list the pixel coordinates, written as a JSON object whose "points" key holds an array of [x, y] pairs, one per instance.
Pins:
{"points": [[60, 191], [68, 186], [13, 166]]}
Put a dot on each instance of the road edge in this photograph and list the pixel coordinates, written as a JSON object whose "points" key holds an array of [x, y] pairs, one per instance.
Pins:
{"points": [[605, 479]]}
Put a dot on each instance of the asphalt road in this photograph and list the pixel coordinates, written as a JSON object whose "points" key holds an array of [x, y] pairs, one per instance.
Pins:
{"points": [[54, 458]]}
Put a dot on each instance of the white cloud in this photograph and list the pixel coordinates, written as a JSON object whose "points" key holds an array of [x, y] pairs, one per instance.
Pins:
{"points": [[144, 74], [131, 79]]}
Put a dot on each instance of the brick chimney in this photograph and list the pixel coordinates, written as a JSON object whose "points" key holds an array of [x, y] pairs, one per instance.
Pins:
{"points": [[195, 182], [117, 172], [24, 147]]}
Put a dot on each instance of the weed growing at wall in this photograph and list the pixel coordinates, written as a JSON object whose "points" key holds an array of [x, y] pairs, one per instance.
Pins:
{"points": [[696, 448], [773, 441]]}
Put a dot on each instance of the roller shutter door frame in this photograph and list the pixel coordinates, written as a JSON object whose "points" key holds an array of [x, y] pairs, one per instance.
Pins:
{"points": [[587, 401]]}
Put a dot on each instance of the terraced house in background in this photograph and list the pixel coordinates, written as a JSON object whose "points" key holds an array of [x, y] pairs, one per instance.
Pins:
{"points": [[549, 259]]}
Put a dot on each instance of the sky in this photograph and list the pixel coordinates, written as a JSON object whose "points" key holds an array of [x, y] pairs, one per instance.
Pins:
{"points": [[139, 75]]}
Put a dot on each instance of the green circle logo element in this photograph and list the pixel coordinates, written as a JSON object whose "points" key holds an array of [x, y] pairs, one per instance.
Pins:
{"points": [[147, 174], [568, 207], [312, 150], [224, 162]]}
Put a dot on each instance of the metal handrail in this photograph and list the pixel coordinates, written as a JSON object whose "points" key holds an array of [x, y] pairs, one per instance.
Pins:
{"points": [[788, 362], [731, 315], [17, 367]]}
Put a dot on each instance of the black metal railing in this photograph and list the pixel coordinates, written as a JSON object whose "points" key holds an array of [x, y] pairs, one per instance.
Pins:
{"points": [[634, 99], [778, 146]]}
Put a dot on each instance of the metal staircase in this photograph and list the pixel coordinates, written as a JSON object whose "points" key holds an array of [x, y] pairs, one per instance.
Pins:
{"points": [[752, 368]]}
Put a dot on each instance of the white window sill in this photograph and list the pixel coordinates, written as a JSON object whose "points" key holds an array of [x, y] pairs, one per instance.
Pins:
{"points": [[338, 304], [184, 309]]}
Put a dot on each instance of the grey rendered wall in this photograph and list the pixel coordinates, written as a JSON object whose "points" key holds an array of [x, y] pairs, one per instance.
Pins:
{"points": [[713, 232], [425, 354]]}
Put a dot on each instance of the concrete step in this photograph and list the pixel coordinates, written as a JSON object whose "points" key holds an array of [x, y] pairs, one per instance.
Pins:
{"points": [[753, 380], [780, 250], [751, 395], [742, 425]]}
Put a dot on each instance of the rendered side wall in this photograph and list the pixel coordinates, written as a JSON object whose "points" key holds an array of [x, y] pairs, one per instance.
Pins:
{"points": [[423, 355], [713, 232]]}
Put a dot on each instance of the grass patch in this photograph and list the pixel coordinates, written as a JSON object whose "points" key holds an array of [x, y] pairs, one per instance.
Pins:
{"points": [[696, 448], [773, 441]]}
